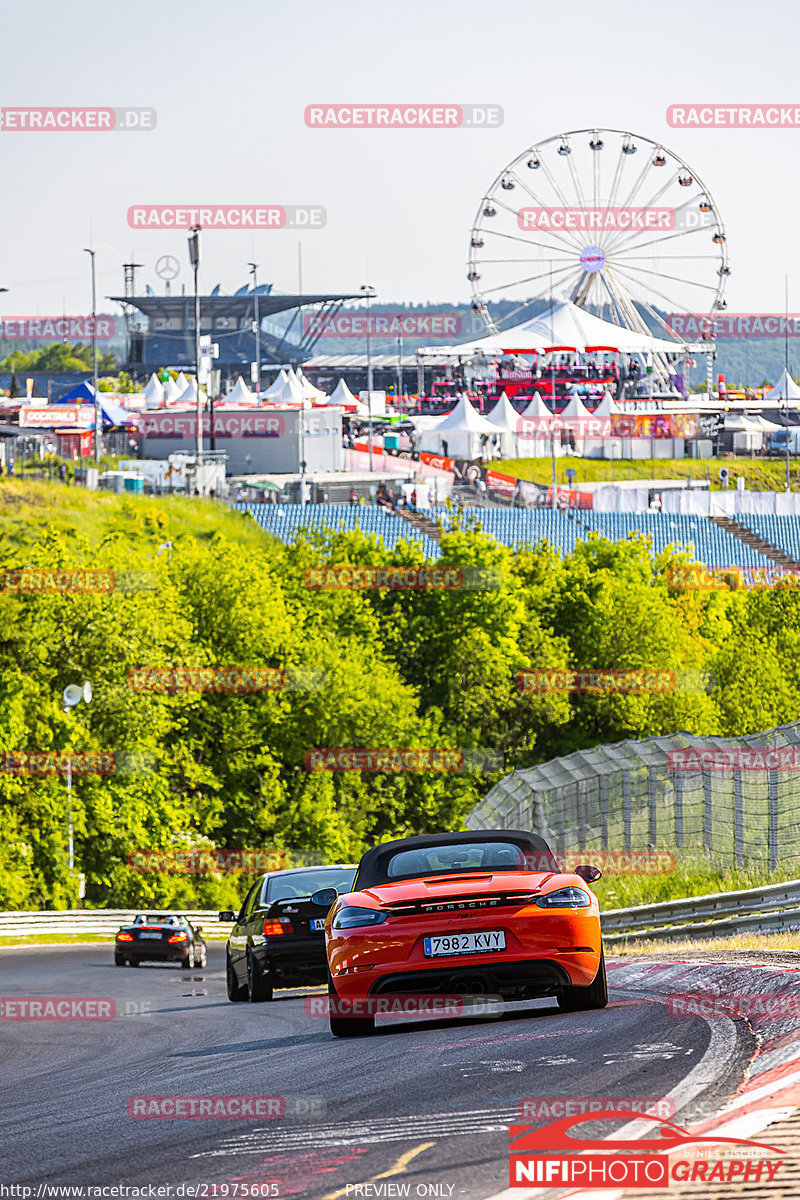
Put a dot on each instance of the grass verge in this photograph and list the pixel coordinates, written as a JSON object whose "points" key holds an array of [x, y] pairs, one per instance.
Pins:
{"points": [[71, 939], [759, 474], [738, 943]]}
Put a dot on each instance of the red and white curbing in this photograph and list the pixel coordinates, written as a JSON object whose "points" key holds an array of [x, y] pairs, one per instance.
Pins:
{"points": [[770, 1090]]}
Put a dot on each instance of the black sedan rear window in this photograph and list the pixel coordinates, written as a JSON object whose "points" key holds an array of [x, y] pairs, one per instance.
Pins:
{"points": [[303, 883], [464, 856]]}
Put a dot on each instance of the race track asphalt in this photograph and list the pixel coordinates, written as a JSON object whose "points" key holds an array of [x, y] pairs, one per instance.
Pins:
{"points": [[428, 1101]]}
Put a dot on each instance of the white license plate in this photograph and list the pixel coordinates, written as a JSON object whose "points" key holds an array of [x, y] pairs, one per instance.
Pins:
{"points": [[464, 943], [150, 935], [317, 922]]}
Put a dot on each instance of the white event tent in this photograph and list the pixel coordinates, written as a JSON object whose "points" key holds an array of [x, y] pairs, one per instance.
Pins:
{"points": [[154, 393], [189, 396], [310, 392], [285, 390], [566, 326], [785, 390], [240, 394], [462, 430], [172, 391], [506, 420]]}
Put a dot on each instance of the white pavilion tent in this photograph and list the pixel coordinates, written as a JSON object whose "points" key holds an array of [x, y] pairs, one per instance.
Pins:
{"points": [[310, 392], [286, 390], [189, 396], [154, 393], [341, 394], [607, 406], [172, 391], [240, 394], [181, 383], [564, 325], [785, 390], [506, 420], [462, 430]]}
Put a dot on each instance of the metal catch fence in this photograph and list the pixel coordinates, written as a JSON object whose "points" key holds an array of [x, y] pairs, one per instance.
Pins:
{"points": [[737, 799]]}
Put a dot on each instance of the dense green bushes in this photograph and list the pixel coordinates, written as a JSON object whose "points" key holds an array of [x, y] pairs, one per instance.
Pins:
{"points": [[376, 669]]}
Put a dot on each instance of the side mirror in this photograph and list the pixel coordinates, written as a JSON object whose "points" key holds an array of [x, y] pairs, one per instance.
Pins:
{"points": [[227, 916], [590, 874], [325, 897]]}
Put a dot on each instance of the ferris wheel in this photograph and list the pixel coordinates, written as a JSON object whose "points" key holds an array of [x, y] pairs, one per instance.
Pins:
{"points": [[610, 220]]}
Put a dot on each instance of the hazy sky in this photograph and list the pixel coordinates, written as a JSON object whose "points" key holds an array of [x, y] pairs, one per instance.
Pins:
{"points": [[230, 82]]}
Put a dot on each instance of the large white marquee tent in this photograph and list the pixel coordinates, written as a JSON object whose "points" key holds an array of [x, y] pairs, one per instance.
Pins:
{"points": [[566, 326]]}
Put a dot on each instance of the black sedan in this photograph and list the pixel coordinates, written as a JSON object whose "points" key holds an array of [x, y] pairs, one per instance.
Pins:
{"points": [[278, 937], [163, 937]]}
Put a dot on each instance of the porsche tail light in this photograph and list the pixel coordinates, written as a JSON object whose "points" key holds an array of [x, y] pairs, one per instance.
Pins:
{"points": [[350, 915], [124, 937], [568, 897], [179, 937], [272, 928]]}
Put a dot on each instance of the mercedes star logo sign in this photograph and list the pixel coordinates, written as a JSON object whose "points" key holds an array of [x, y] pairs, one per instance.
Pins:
{"points": [[167, 267]]}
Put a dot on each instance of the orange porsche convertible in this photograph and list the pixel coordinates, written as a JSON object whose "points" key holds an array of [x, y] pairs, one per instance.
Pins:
{"points": [[466, 913]]}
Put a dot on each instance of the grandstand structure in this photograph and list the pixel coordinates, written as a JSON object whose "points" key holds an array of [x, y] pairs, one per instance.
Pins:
{"points": [[774, 540], [285, 522]]}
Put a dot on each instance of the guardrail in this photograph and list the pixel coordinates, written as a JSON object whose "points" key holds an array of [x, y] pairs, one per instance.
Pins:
{"points": [[97, 920], [770, 909]]}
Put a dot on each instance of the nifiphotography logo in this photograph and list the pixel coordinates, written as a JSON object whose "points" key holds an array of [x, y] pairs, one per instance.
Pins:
{"points": [[550, 1155]]}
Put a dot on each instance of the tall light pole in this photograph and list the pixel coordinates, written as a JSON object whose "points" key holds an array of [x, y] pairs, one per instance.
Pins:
{"points": [[253, 268], [366, 288], [194, 258], [72, 695], [98, 419], [786, 377]]}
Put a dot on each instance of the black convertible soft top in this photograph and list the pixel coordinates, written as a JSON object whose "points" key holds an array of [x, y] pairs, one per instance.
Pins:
{"points": [[373, 868]]}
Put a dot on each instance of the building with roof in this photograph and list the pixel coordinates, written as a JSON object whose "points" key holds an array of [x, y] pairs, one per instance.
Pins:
{"points": [[161, 328]]}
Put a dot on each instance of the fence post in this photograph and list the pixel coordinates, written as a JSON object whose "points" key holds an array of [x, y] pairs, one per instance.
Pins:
{"points": [[652, 798], [738, 819], [583, 829], [678, 784], [708, 824], [626, 808], [603, 812], [772, 825]]}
